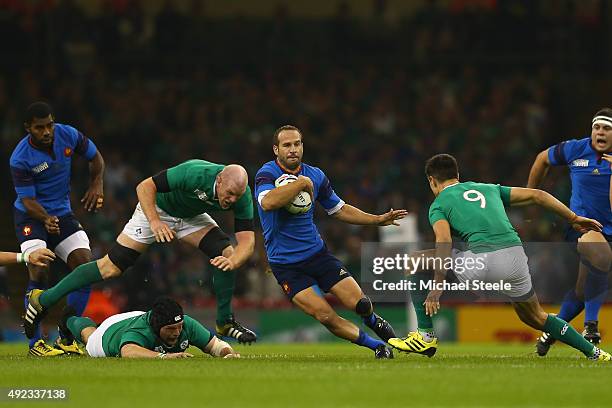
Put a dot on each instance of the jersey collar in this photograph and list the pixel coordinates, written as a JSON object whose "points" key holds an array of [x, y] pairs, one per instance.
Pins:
{"points": [[296, 171], [31, 143], [450, 185], [215, 191]]}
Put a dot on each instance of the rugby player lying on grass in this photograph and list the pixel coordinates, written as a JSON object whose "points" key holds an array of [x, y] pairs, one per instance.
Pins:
{"points": [[162, 332]]}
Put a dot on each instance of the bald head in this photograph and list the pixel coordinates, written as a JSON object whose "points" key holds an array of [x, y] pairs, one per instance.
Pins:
{"points": [[232, 182]]}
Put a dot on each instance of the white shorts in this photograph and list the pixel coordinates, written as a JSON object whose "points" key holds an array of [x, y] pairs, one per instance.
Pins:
{"points": [[78, 240], [139, 230], [507, 264], [94, 342]]}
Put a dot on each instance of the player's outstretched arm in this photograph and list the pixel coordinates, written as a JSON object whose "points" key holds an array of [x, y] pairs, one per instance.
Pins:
{"points": [[235, 257], [146, 192], [281, 196], [219, 348], [444, 242], [354, 215], [38, 257], [539, 170], [93, 199], [132, 350], [527, 196]]}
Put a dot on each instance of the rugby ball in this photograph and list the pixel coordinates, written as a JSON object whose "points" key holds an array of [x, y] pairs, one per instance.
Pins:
{"points": [[301, 203]]}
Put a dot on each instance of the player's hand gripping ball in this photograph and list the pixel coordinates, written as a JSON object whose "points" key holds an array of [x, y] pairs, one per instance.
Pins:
{"points": [[301, 203]]}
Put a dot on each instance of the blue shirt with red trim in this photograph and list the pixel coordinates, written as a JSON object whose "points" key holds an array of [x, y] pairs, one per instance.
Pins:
{"points": [[590, 176], [45, 175], [291, 238]]}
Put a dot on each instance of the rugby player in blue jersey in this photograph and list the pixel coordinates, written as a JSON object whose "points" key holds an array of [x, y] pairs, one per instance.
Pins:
{"points": [[41, 167], [298, 257], [590, 178]]}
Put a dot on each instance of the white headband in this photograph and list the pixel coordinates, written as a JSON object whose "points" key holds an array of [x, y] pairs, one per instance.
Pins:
{"points": [[602, 120]]}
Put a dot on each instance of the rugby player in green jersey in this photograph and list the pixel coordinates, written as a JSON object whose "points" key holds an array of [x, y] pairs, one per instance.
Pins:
{"points": [[173, 204], [162, 332], [476, 213]]}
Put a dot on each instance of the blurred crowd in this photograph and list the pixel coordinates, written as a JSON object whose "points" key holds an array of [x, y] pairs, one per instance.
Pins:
{"points": [[492, 82]]}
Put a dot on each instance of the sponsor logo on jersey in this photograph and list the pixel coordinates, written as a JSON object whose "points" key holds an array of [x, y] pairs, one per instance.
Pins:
{"points": [[580, 163], [201, 194], [138, 231], [67, 152], [184, 344], [27, 230], [342, 272], [40, 168], [595, 171], [564, 329], [178, 318]]}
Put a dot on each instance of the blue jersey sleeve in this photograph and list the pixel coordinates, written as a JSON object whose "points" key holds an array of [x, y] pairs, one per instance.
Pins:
{"points": [[564, 153], [327, 196], [264, 181], [81, 144], [23, 180]]}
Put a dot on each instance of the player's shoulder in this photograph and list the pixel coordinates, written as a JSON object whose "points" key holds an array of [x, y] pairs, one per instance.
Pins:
{"points": [[20, 151], [313, 171], [270, 167], [576, 145], [63, 131]]}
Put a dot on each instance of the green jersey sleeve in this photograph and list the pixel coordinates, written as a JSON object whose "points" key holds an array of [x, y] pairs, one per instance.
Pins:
{"points": [[197, 334], [180, 177], [133, 336], [504, 193], [436, 213], [243, 209]]}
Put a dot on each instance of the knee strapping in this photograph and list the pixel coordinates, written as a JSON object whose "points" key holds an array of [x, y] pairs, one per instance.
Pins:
{"points": [[214, 242], [123, 257], [364, 307]]}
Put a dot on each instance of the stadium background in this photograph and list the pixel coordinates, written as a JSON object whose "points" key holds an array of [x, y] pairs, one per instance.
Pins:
{"points": [[376, 87]]}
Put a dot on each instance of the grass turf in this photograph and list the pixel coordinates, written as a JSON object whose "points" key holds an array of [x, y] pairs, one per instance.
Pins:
{"points": [[320, 375]]}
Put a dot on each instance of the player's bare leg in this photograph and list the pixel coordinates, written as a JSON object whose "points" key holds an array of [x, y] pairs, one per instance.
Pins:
{"points": [[531, 313], [353, 298], [316, 306], [123, 255], [223, 283]]}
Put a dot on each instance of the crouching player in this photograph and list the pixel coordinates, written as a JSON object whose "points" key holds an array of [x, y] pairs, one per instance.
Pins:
{"points": [[162, 332], [475, 212]]}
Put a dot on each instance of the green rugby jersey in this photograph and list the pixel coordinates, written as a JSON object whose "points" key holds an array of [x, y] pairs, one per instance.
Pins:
{"points": [[192, 192], [476, 214], [135, 328]]}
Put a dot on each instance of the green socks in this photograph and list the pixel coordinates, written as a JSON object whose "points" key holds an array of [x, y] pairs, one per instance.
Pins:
{"points": [[77, 324], [563, 331], [223, 285], [418, 296], [81, 276]]}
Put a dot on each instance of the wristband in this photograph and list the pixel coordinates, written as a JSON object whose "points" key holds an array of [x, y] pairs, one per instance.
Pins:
{"points": [[23, 257]]}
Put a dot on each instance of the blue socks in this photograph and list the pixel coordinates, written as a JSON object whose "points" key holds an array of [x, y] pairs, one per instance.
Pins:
{"points": [[370, 320], [78, 299], [33, 285], [571, 306], [366, 341], [595, 291]]}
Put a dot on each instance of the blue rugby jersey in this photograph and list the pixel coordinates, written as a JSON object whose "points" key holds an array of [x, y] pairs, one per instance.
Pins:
{"points": [[290, 238], [44, 176], [590, 176]]}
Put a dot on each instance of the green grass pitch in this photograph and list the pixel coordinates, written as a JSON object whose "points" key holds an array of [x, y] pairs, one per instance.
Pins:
{"points": [[319, 375]]}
